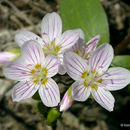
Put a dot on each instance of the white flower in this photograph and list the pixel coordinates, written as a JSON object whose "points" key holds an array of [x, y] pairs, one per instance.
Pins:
{"points": [[85, 50], [34, 72], [96, 78], [53, 41]]}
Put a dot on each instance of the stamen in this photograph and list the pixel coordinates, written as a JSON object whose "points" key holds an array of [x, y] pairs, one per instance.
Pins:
{"points": [[95, 86], [100, 80], [83, 74], [45, 70], [44, 81], [38, 66], [52, 43], [58, 48], [32, 71], [85, 84], [43, 49], [35, 81], [77, 52]]}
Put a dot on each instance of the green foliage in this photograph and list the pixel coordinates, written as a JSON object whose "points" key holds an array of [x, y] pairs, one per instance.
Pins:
{"points": [[50, 115], [53, 115], [87, 15], [121, 61]]}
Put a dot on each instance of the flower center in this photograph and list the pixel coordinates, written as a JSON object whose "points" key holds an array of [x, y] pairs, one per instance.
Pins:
{"points": [[39, 74], [91, 79], [51, 49], [82, 53]]}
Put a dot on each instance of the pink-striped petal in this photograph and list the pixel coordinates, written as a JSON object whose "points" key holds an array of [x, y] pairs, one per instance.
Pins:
{"points": [[101, 58], [23, 36], [115, 78], [52, 65], [33, 53], [92, 44], [66, 102], [49, 93], [104, 98], [51, 27], [74, 65], [6, 57], [68, 39], [79, 91], [78, 46], [18, 70], [24, 90]]}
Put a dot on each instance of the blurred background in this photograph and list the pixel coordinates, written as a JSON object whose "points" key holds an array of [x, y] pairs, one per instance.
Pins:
{"points": [[27, 14]]}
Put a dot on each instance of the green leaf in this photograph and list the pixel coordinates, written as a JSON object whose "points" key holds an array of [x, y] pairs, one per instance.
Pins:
{"points": [[121, 61], [53, 115], [88, 15]]}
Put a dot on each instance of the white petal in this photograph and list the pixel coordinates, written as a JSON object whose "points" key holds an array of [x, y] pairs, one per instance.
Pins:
{"points": [[49, 93], [74, 65], [18, 70], [33, 53], [92, 44], [78, 46], [23, 36], [6, 57], [116, 78], [68, 39], [101, 58], [80, 92], [104, 98], [62, 70], [24, 90], [81, 33], [52, 65], [51, 27], [66, 102]]}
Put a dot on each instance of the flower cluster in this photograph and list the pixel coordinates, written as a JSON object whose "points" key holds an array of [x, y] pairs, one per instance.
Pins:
{"points": [[57, 52]]}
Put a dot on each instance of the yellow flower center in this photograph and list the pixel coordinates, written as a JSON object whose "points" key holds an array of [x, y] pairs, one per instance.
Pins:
{"points": [[39, 74], [81, 53], [91, 79], [51, 49]]}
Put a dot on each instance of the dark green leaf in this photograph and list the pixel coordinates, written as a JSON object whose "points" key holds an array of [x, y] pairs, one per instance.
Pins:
{"points": [[121, 61], [87, 15]]}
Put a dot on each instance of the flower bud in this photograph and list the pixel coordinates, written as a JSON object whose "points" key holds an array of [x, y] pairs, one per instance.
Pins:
{"points": [[67, 100]]}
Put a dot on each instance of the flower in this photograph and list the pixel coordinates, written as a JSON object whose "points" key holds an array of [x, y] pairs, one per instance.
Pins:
{"points": [[34, 72], [67, 100], [53, 41], [6, 57], [85, 50], [96, 78]]}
